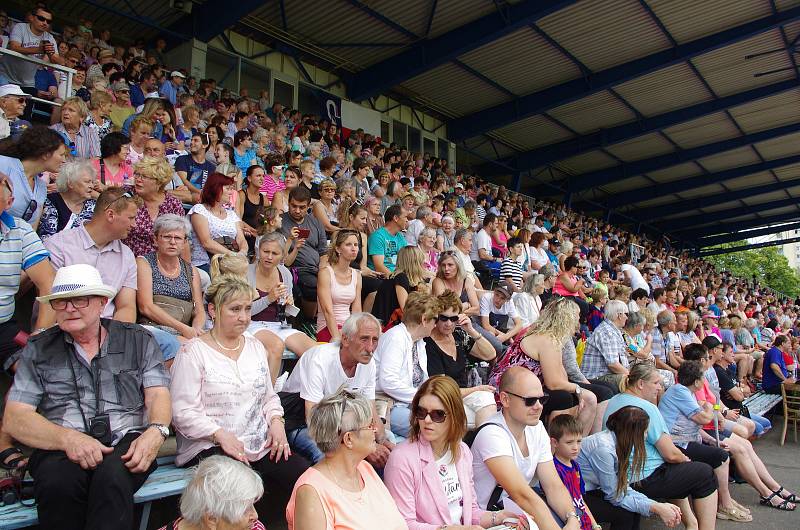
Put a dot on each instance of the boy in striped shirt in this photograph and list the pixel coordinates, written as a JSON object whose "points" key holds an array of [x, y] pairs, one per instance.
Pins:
{"points": [[511, 270]]}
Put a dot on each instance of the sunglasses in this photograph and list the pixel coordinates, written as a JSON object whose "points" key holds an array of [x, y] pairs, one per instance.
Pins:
{"points": [[532, 400], [30, 210], [20, 100], [125, 195], [46, 20], [445, 318], [437, 416]]}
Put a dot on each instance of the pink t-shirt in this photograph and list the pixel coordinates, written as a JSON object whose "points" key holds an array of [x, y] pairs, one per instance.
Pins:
{"points": [[270, 187], [123, 176]]}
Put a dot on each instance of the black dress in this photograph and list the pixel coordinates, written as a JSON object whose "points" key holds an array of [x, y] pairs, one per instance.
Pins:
{"points": [[439, 362], [386, 299], [253, 215]]}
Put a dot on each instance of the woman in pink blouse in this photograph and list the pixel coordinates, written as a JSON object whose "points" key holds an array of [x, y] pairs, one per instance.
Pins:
{"points": [[150, 176], [223, 402]]}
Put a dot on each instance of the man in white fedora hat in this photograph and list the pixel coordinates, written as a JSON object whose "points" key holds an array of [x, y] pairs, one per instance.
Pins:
{"points": [[91, 396]]}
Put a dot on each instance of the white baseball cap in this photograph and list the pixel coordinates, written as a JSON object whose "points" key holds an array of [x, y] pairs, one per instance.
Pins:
{"points": [[12, 90], [176, 73]]}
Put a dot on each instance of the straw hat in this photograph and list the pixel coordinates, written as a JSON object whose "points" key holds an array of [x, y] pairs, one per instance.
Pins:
{"points": [[78, 280]]}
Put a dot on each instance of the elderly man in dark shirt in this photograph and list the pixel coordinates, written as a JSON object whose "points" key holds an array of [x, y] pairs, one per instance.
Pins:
{"points": [[91, 396]]}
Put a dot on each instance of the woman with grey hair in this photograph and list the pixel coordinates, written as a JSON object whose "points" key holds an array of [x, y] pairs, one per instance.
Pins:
{"points": [[73, 202], [343, 490], [168, 292], [528, 302], [221, 494]]}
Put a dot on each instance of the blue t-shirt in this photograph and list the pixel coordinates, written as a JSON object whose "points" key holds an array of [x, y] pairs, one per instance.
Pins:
{"points": [[196, 173], [677, 406], [773, 356], [655, 430], [382, 243], [137, 96], [44, 79], [27, 203]]}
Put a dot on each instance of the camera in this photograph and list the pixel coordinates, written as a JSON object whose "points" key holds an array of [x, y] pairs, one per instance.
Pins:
{"points": [[100, 429]]}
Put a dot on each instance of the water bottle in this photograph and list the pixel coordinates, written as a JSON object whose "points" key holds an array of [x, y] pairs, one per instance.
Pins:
{"points": [[716, 422]]}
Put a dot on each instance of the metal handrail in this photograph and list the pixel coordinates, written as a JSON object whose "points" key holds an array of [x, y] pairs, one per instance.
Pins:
{"points": [[69, 71]]}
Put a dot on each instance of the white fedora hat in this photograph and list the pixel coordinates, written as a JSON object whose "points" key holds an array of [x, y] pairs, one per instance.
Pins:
{"points": [[78, 280]]}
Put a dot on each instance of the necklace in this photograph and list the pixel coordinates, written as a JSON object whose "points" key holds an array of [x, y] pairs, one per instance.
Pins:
{"points": [[357, 485], [238, 343], [167, 271]]}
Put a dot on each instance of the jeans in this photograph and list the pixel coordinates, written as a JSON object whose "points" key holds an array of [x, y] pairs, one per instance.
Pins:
{"points": [[762, 424], [301, 442], [401, 419], [168, 342]]}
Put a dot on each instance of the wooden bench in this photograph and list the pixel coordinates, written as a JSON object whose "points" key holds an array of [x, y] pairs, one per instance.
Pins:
{"points": [[165, 481], [760, 403]]}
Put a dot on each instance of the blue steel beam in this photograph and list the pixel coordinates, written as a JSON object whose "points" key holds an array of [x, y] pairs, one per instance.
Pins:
{"points": [[210, 20], [430, 53], [549, 98], [628, 131], [690, 183], [707, 233], [601, 177], [740, 248], [738, 236], [654, 213], [175, 33], [691, 221]]}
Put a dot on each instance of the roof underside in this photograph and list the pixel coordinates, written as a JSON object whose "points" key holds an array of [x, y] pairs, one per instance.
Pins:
{"points": [[649, 108]]}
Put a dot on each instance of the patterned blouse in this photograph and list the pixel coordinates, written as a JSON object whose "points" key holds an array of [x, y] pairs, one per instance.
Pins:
{"points": [[175, 525], [56, 216], [102, 129], [140, 237]]}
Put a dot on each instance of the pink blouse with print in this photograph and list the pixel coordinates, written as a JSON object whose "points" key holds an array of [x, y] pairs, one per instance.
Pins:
{"points": [[140, 237]]}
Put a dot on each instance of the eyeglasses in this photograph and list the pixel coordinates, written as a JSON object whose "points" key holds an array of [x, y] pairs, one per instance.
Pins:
{"points": [[437, 415], [445, 318], [174, 239], [327, 189], [532, 400], [30, 209], [79, 302], [20, 99], [7, 184], [136, 174], [46, 20]]}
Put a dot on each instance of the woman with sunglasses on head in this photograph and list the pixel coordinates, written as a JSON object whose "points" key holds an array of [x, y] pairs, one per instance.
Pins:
{"points": [[338, 286], [38, 149], [342, 491], [430, 475], [273, 181], [452, 341]]}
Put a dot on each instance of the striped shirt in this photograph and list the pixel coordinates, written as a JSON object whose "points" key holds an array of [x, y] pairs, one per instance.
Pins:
{"points": [[86, 143], [511, 270], [20, 249], [270, 187]]}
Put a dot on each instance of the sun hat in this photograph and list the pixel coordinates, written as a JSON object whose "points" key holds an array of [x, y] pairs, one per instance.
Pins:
{"points": [[77, 280], [12, 90]]}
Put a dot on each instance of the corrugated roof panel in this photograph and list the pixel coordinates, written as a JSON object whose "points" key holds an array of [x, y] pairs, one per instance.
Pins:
{"points": [[625, 185], [767, 197], [455, 89], [600, 33], [598, 111], [788, 172], [756, 179], [410, 14], [523, 62], [670, 174], [781, 109], [711, 189], [727, 71], [450, 15], [687, 20], [646, 146], [534, 131], [664, 90], [487, 150], [735, 158], [780, 147], [586, 162], [705, 130]]}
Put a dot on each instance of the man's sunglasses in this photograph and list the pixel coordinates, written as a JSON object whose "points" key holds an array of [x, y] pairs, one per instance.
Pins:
{"points": [[532, 400], [30, 210], [46, 20], [445, 318], [437, 416]]}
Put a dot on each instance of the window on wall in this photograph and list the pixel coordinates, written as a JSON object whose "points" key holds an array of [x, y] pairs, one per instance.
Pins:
{"points": [[254, 78], [414, 139], [429, 146], [385, 131], [222, 67], [283, 93], [444, 149], [307, 102], [399, 133]]}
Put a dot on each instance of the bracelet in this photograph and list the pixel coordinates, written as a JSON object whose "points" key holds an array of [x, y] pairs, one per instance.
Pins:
{"points": [[214, 438], [494, 518], [277, 417]]}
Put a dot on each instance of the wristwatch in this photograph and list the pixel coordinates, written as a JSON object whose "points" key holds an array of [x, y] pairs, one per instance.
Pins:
{"points": [[163, 430], [578, 390]]}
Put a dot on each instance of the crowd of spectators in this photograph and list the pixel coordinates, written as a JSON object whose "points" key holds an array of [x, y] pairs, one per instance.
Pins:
{"points": [[166, 243]]}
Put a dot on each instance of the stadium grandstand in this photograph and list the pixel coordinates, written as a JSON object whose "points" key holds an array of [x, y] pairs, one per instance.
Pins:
{"points": [[431, 264]]}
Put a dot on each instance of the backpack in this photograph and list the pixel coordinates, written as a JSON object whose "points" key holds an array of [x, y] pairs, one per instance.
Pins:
{"points": [[494, 503]]}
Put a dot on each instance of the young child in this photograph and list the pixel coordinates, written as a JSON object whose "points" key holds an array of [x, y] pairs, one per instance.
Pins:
{"points": [[565, 442], [596, 316], [510, 269]]}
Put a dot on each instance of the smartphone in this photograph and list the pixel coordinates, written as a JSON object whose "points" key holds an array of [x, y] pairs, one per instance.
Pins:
{"points": [[303, 233], [206, 140]]}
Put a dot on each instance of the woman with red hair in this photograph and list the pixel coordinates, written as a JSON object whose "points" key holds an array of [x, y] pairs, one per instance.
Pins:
{"points": [[215, 229]]}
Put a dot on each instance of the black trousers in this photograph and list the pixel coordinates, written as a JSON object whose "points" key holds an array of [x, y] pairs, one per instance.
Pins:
{"points": [[676, 481], [605, 512], [278, 477], [69, 497]]}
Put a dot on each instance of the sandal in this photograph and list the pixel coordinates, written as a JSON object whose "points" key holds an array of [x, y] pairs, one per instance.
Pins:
{"points": [[733, 514], [791, 498], [783, 506], [12, 464], [743, 509]]}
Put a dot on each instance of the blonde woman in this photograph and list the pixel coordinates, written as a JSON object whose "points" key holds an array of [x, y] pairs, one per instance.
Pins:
{"points": [[409, 275], [83, 141], [539, 350], [338, 286], [98, 119]]}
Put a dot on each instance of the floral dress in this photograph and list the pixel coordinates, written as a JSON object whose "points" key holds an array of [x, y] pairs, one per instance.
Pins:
{"points": [[102, 129], [140, 238]]}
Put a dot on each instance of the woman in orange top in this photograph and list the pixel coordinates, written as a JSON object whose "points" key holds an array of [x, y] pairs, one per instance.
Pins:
{"points": [[343, 491]]}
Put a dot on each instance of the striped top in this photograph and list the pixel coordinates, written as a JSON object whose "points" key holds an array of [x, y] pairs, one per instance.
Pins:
{"points": [[20, 249], [511, 270]]}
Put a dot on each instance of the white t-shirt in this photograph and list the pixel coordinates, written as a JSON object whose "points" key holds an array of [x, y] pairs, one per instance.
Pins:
{"points": [[487, 306], [452, 487], [21, 72], [637, 280], [319, 373], [482, 240], [413, 231], [492, 442]]}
